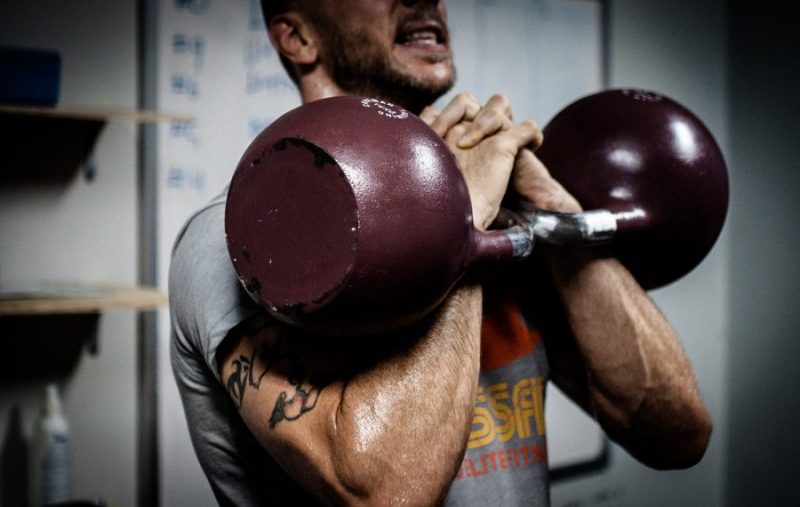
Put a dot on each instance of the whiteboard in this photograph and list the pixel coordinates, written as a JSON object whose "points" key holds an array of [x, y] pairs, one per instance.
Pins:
{"points": [[214, 62]]}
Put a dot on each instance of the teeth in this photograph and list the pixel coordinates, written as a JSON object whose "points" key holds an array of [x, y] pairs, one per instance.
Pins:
{"points": [[425, 36]]}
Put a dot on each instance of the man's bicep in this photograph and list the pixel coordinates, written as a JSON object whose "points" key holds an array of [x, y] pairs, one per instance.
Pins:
{"points": [[286, 398]]}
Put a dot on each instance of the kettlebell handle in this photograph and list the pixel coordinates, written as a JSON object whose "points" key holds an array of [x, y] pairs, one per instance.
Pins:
{"points": [[568, 229]]}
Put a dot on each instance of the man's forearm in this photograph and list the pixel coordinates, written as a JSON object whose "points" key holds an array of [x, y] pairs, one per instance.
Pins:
{"points": [[640, 384], [406, 421]]}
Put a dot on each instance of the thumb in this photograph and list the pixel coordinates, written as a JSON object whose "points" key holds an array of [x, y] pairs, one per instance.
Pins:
{"points": [[533, 181]]}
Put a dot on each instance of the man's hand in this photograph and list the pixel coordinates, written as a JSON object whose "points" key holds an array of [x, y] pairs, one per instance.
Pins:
{"points": [[486, 143], [532, 181]]}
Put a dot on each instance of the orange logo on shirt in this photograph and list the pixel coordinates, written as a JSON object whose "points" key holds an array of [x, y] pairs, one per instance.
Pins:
{"points": [[501, 413]]}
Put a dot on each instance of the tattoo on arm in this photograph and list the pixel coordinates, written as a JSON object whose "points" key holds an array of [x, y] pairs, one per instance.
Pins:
{"points": [[236, 380], [302, 393]]}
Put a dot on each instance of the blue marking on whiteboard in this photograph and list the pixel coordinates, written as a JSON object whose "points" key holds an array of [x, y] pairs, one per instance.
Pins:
{"points": [[185, 131], [175, 177], [193, 6], [183, 84], [257, 49], [183, 44], [181, 178]]}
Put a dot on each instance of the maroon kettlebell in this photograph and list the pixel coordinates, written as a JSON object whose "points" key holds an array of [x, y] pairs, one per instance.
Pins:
{"points": [[350, 216], [653, 166]]}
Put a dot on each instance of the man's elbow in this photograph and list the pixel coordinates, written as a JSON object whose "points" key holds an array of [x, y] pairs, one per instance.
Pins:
{"points": [[681, 448], [361, 486], [373, 474]]}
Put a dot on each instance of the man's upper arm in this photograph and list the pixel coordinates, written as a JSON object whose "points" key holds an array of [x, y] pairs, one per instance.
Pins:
{"points": [[284, 402], [346, 418], [206, 299], [288, 389]]}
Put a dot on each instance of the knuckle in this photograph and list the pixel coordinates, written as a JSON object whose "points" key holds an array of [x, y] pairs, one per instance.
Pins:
{"points": [[532, 129], [464, 98], [494, 117], [502, 103], [456, 132], [531, 125], [500, 99]]}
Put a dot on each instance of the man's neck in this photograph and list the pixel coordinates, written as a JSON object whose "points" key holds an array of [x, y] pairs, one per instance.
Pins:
{"points": [[318, 85]]}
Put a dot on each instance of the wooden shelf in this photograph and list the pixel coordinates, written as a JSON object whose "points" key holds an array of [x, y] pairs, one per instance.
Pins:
{"points": [[49, 144], [78, 299], [97, 114]]}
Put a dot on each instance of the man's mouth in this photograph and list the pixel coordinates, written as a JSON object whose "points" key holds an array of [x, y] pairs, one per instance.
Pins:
{"points": [[421, 34]]}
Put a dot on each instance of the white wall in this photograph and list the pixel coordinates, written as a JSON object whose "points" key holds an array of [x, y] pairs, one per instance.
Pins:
{"points": [[676, 47], [83, 231]]}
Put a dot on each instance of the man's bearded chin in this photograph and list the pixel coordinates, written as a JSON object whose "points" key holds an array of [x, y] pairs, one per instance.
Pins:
{"points": [[359, 69]]}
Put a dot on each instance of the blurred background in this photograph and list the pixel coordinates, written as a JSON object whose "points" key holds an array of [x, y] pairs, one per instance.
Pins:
{"points": [[162, 97]]}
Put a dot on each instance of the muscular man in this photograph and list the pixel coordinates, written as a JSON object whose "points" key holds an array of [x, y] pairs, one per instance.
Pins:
{"points": [[449, 410]]}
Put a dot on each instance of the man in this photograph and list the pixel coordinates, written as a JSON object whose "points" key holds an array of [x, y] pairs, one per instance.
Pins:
{"points": [[449, 410]]}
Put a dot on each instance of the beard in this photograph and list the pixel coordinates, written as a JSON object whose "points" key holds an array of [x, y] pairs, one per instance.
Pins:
{"points": [[359, 66]]}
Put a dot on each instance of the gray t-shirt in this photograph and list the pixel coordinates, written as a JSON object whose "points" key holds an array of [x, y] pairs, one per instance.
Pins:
{"points": [[506, 459]]}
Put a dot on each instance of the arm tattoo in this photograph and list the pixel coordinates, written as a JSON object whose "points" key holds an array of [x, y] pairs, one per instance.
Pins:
{"points": [[303, 392], [304, 398]]}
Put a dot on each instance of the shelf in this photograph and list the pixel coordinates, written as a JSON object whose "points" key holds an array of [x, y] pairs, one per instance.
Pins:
{"points": [[77, 299], [54, 322], [97, 114], [48, 144]]}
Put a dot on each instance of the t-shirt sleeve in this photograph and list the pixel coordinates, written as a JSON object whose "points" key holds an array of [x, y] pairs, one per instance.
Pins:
{"points": [[206, 299]]}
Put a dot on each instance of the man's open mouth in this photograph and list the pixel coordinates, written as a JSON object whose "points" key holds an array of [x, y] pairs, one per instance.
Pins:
{"points": [[426, 34]]}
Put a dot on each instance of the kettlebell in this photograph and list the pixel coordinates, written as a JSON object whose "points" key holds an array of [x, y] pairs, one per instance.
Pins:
{"points": [[651, 171], [349, 215]]}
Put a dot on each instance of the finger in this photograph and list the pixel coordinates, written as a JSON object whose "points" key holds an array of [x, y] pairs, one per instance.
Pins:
{"points": [[429, 114], [518, 136], [493, 117], [500, 103], [463, 107], [538, 138], [455, 133]]}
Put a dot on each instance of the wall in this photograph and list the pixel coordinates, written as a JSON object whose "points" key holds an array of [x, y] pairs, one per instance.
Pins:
{"points": [[764, 278], [676, 47], [82, 230]]}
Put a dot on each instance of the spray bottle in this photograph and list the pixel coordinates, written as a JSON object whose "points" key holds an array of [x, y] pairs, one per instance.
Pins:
{"points": [[50, 477]]}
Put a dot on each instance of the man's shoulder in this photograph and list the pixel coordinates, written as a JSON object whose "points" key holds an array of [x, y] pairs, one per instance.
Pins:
{"points": [[209, 218], [206, 299]]}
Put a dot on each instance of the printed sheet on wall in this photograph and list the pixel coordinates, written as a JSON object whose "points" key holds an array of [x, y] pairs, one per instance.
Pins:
{"points": [[215, 63]]}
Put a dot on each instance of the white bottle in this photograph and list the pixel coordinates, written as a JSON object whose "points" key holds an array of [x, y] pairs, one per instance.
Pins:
{"points": [[50, 477]]}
